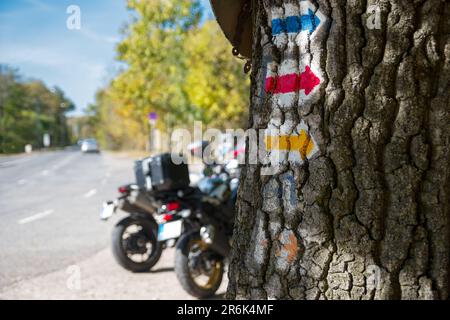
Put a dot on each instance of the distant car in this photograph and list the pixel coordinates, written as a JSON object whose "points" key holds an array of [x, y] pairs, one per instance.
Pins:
{"points": [[89, 145]]}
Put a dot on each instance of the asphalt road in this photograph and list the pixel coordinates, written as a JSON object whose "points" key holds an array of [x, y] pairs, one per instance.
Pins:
{"points": [[50, 229]]}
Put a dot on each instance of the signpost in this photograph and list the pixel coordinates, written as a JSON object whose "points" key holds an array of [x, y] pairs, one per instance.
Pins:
{"points": [[152, 118], [46, 140], [28, 148]]}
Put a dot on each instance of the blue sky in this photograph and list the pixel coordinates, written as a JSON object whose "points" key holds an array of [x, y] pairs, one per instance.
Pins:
{"points": [[34, 38]]}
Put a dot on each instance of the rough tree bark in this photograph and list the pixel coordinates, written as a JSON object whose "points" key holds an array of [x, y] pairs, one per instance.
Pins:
{"points": [[369, 215]]}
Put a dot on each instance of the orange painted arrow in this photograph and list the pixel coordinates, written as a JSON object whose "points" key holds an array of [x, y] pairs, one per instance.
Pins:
{"points": [[301, 143]]}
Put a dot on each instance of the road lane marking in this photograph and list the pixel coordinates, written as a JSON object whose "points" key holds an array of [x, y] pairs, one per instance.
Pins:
{"points": [[35, 217], [5, 160], [64, 162], [90, 193]]}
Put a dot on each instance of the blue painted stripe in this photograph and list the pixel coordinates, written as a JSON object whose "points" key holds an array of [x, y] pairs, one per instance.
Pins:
{"points": [[295, 24], [278, 26]]}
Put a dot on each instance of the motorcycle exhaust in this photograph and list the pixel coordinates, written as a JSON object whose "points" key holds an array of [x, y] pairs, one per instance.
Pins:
{"points": [[139, 199]]}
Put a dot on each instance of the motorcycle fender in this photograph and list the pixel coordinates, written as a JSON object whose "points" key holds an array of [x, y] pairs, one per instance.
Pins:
{"points": [[220, 244], [136, 216], [183, 241]]}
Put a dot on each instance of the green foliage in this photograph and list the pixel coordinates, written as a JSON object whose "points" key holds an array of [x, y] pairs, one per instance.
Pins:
{"points": [[215, 82], [28, 109], [177, 66], [115, 126]]}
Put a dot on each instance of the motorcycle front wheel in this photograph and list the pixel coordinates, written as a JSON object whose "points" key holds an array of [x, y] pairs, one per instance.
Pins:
{"points": [[198, 268], [135, 245]]}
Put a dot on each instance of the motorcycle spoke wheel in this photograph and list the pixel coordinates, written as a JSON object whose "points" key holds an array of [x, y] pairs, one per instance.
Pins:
{"points": [[136, 243], [205, 273]]}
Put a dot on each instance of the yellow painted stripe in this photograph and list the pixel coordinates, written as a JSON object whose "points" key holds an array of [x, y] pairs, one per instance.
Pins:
{"points": [[301, 143]]}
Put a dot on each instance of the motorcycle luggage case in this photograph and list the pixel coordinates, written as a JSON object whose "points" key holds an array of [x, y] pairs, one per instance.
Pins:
{"points": [[140, 174], [166, 175]]}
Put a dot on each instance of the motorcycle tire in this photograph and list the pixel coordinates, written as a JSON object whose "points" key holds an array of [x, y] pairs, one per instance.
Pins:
{"points": [[119, 252], [183, 271]]}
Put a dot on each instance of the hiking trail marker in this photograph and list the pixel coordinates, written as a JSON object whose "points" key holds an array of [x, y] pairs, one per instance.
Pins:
{"points": [[294, 25], [296, 78], [298, 145], [297, 18]]}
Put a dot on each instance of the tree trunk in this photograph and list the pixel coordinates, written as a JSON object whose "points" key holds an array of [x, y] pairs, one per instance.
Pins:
{"points": [[359, 209]]}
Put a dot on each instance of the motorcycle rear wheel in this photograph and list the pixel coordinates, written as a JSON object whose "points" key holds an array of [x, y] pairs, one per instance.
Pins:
{"points": [[191, 244], [145, 236]]}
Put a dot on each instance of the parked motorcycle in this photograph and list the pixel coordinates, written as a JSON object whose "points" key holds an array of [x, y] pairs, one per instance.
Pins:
{"points": [[201, 253], [151, 225], [134, 239], [160, 205]]}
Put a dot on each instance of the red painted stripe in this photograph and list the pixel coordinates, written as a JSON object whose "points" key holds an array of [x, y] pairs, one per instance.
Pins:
{"points": [[308, 81], [293, 82]]}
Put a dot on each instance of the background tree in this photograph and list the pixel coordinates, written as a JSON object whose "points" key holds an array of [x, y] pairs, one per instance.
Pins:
{"points": [[214, 83], [176, 64], [368, 217], [28, 109]]}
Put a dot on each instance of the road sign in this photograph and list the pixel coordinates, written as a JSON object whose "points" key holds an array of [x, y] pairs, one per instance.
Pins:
{"points": [[46, 140], [152, 117], [28, 148]]}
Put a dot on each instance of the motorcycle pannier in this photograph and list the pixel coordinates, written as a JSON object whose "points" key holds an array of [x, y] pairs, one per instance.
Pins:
{"points": [[140, 173], [162, 174]]}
